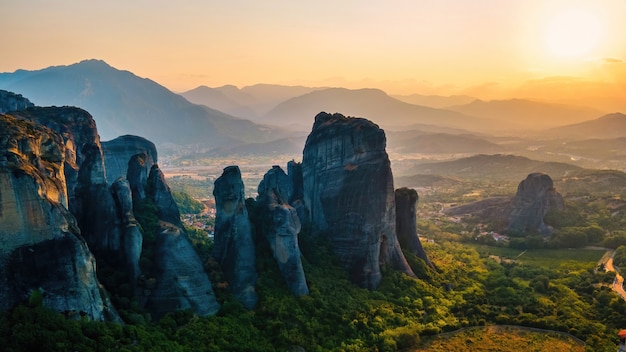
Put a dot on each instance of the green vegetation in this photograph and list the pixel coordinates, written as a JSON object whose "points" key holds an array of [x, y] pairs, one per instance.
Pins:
{"points": [[186, 204], [546, 289], [501, 338]]}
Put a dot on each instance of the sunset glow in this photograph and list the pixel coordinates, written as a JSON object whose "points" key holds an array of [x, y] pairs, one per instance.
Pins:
{"points": [[402, 46]]}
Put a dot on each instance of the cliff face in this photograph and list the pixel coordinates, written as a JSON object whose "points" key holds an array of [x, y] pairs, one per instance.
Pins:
{"points": [[89, 198], [348, 188], [281, 226], [131, 238], [534, 198], [234, 245], [182, 282], [406, 223], [41, 246]]}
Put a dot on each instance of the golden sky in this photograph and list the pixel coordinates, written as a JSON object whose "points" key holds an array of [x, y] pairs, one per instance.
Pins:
{"points": [[402, 46]]}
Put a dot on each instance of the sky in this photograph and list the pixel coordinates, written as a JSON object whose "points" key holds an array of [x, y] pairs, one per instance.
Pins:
{"points": [[402, 46]]}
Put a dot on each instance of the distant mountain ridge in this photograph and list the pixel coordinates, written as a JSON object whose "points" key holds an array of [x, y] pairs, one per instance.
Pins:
{"points": [[496, 167], [527, 113], [373, 104], [123, 103], [606, 127], [251, 102]]}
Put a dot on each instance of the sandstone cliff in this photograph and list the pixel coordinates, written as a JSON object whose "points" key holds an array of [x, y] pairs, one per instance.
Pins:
{"points": [[40, 243], [89, 198], [406, 223], [281, 226], [234, 246], [534, 198], [348, 188]]}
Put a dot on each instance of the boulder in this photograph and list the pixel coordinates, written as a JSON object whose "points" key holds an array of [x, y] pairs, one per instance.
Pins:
{"points": [[234, 246], [281, 226], [535, 196], [348, 189]]}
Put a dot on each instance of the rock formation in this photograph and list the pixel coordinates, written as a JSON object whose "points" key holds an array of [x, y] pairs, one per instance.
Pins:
{"points": [[131, 238], [281, 226], [182, 282], [348, 188], [10, 101], [406, 223], [137, 175], [119, 151], [41, 246], [161, 195], [89, 198], [103, 216], [534, 198], [234, 245]]}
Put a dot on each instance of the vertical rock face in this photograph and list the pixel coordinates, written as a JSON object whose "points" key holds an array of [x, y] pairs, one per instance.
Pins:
{"points": [[137, 175], [348, 188], [281, 226], [119, 151], [234, 245], [40, 243], [160, 193], [182, 282], [534, 198], [406, 223], [131, 238], [89, 198]]}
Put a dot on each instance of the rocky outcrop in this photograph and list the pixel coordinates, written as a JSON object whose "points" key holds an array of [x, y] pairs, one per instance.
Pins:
{"points": [[137, 175], [40, 243], [131, 238], [348, 189], [181, 280], [89, 198], [281, 226], [161, 195], [10, 101], [406, 223], [119, 151], [234, 245], [534, 198]]}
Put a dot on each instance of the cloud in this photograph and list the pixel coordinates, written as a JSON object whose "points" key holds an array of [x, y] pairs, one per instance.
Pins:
{"points": [[611, 60]]}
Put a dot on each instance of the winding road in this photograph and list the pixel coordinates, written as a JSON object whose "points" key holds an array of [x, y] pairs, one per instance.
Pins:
{"points": [[618, 283]]}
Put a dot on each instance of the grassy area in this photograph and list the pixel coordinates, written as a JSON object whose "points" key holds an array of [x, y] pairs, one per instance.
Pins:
{"points": [[549, 258], [501, 338]]}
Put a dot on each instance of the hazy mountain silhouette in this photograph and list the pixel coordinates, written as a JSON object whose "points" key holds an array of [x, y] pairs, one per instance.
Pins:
{"points": [[497, 167], [291, 147], [220, 99], [607, 126], [420, 142], [123, 103], [249, 102], [528, 114], [373, 104], [435, 101]]}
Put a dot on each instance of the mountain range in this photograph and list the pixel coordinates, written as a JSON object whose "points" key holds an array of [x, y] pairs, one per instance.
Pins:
{"points": [[123, 103], [242, 120], [526, 113]]}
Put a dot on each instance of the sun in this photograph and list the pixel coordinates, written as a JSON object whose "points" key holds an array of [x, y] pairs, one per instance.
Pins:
{"points": [[573, 34]]}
